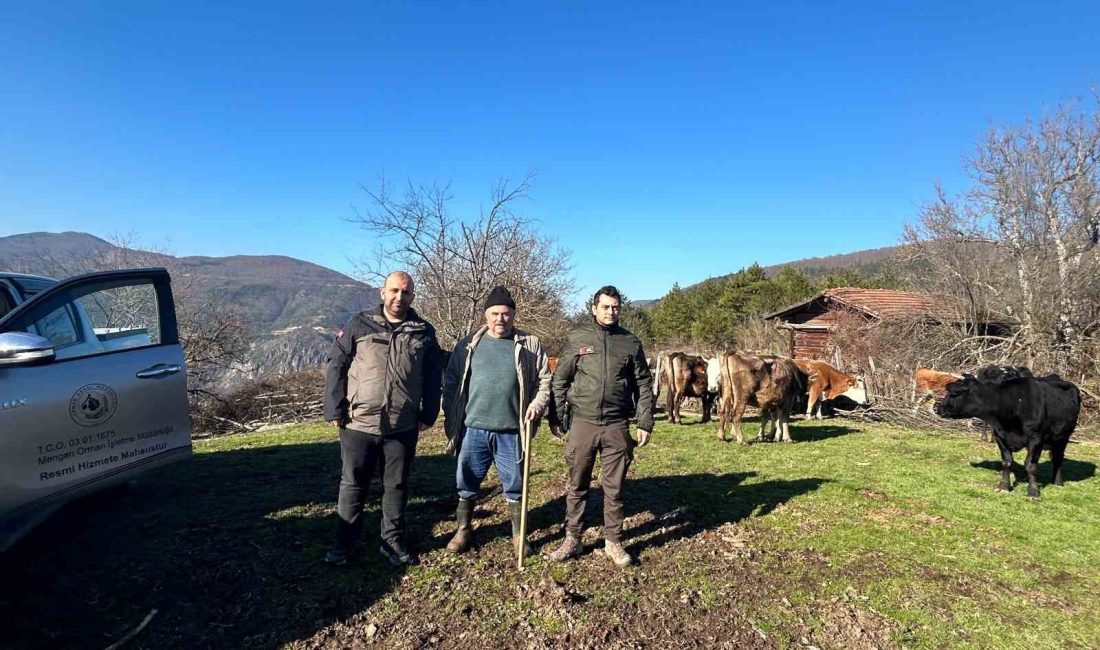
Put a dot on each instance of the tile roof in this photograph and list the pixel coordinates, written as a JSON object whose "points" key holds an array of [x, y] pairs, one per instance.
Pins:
{"points": [[879, 303], [891, 303]]}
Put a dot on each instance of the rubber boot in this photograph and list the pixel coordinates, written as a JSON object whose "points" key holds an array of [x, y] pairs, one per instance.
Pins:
{"points": [[514, 508], [464, 513]]}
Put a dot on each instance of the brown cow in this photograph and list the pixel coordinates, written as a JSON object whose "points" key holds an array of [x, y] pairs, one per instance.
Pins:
{"points": [[769, 381], [930, 385], [683, 375], [828, 383]]}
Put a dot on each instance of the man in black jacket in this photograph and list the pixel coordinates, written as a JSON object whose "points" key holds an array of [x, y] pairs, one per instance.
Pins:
{"points": [[382, 388], [601, 380]]}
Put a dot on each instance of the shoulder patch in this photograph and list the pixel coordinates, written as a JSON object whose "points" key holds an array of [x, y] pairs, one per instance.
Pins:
{"points": [[340, 333], [587, 349]]}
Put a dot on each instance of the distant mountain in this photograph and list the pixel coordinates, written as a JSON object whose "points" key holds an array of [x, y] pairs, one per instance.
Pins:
{"points": [[294, 307], [867, 262]]}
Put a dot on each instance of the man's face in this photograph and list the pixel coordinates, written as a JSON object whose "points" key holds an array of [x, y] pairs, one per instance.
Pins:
{"points": [[499, 320], [606, 310], [397, 294]]}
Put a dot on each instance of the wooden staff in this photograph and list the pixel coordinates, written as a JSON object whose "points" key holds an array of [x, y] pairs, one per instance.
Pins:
{"points": [[525, 432]]}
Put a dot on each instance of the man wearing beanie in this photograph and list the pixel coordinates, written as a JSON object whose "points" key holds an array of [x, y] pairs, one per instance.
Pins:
{"points": [[601, 379], [496, 376]]}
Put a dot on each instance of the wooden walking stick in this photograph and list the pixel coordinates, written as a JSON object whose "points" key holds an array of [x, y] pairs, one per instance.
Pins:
{"points": [[525, 432]]}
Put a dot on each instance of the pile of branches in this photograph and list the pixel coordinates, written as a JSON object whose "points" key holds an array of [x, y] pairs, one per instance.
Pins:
{"points": [[284, 399], [900, 412]]}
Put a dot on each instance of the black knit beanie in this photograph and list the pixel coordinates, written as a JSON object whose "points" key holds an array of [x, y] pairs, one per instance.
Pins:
{"points": [[499, 296]]}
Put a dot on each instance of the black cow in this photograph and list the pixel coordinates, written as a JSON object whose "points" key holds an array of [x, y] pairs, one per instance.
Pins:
{"points": [[1023, 411]]}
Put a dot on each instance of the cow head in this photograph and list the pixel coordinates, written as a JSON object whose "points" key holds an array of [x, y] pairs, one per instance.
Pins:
{"points": [[962, 400], [857, 391], [714, 375]]}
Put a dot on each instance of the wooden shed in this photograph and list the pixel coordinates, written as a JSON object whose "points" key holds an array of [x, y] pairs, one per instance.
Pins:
{"points": [[809, 324]]}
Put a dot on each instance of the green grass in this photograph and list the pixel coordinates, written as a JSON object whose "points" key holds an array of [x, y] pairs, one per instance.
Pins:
{"points": [[898, 533]]}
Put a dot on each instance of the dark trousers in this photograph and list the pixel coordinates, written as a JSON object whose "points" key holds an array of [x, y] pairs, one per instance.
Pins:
{"points": [[360, 454], [615, 447]]}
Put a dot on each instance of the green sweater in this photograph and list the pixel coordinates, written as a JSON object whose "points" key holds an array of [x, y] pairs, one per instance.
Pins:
{"points": [[494, 386]]}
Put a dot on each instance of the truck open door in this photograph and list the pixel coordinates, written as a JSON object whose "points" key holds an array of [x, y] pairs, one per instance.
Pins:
{"points": [[93, 391]]}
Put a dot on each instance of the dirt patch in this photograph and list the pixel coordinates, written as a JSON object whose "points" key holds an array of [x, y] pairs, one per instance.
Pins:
{"points": [[856, 628]]}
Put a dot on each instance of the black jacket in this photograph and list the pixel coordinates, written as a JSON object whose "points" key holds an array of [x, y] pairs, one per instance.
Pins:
{"points": [[602, 377], [381, 377]]}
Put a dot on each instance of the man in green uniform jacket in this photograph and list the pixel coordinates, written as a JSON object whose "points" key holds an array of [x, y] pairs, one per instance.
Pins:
{"points": [[602, 380]]}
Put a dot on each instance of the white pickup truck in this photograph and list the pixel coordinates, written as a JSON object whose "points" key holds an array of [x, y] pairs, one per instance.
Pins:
{"points": [[93, 388]]}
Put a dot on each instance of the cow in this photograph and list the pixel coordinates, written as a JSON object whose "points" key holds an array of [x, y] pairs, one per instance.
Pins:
{"points": [[771, 382], [827, 383], [683, 375], [1023, 411], [930, 385]]}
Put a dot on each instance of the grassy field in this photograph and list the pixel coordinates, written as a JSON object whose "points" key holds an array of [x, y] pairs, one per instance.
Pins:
{"points": [[856, 536]]}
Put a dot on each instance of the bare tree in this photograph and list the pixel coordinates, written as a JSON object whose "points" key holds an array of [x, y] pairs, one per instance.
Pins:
{"points": [[1023, 240], [456, 262]]}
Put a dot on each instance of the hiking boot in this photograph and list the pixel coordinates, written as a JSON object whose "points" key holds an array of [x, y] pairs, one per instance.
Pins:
{"points": [[514, 511], [337, 557], [395, 552], [617, 553], [464, 513], [569, 549]]}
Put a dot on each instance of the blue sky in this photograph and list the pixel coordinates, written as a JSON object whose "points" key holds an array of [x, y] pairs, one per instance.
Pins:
{"points": [[673, 142]]}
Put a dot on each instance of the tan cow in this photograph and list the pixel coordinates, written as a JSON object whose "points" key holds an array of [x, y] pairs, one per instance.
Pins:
{"points": [[828, 383], [771, 382], [930, 385]]}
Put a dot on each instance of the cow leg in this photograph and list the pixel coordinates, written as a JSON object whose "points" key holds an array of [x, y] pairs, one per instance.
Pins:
{"points": [[1034, 451], [723, 416], [765, 417], [810, 400], [785, 424], [738, 413], [1006, 467], [1057, 454], [707, 402]]}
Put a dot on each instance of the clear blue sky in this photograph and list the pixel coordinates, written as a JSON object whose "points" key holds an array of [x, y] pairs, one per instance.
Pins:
{"points": [[674, 141]]}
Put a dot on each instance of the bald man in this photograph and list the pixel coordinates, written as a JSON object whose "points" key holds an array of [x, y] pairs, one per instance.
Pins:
{"points": [[382, 388]]}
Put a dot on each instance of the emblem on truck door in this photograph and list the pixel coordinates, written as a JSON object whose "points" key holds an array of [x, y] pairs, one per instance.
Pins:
{"points": [[93, 405]]}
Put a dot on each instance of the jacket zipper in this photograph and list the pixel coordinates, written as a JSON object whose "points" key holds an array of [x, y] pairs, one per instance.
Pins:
{"points": [[606, 372]]}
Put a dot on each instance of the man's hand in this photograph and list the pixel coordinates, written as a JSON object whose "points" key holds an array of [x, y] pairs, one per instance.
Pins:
{"points": [[532, 413], [643, 438], [335, 423], [421, 427], [556, 431]]}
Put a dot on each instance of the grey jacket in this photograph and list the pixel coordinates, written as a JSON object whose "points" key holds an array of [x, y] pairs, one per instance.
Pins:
{"points": [[383, 379], [532, 368]]}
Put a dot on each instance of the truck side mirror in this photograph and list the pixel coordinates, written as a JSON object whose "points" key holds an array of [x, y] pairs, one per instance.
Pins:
{"points": [[23, 348]]}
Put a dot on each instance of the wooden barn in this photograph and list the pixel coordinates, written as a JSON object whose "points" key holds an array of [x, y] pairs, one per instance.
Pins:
{"points": [[809, 324]]}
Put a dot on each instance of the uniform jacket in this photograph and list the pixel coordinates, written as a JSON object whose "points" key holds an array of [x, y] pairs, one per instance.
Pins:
{"points": [[381, 377], [603, 377]]}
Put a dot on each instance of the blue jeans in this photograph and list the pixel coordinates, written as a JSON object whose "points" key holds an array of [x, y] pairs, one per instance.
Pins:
{"points": [[481, 448]]}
